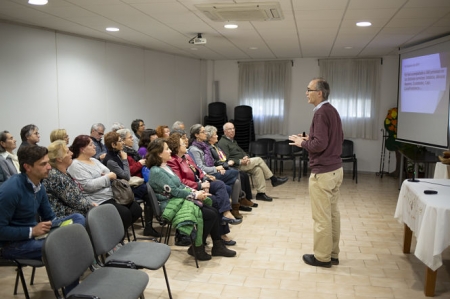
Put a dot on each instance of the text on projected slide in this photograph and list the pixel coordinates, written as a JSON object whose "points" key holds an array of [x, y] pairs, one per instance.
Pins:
{"points": [[423, 83]]}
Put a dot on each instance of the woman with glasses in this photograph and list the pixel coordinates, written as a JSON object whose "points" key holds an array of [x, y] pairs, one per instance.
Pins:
{"points": [[94, 179], [64, 195]]}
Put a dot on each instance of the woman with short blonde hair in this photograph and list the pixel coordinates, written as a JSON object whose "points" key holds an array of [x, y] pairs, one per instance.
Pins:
{"points": [[59, 134]]}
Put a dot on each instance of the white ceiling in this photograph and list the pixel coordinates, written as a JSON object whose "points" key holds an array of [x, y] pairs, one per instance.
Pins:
{"points": [[310, 28]]}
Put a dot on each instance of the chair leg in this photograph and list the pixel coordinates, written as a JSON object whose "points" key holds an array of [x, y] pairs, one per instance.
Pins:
{"points": [[356, 171], [24, 284], [195, 254], [32, 275], [134, 233], [167, 282]]}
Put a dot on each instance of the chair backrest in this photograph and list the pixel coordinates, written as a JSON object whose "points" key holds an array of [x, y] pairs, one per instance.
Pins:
{"points": [[154, 202], [67, 253], [282, 148], [347, 149], [270, 142], [105, 228], [217, 109], [243, 113], [258, 148]]}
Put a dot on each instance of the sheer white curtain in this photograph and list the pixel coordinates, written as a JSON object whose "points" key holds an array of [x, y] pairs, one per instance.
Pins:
{"points": [[355, 92], [266, 87]]}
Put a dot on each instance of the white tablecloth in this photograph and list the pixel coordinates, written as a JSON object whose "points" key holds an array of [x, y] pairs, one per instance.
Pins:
{"points": [[428, 216], [442, 171]]}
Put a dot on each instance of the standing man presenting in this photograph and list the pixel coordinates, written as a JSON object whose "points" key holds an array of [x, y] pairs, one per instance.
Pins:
{"points": [[324, 145]]}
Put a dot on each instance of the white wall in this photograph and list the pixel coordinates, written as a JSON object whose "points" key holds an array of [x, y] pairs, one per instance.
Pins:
{"points": [[300, 114], [60, 81]]}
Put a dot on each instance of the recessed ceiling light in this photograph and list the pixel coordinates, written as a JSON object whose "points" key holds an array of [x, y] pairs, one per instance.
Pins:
{"points": [[253, 48], [230, 26], [363, 24], [348, 47], [112, 29], [37, 2]]}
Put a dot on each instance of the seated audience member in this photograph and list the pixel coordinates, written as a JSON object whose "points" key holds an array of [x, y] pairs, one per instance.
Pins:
{"points": [[178, 199], [9, 163], [59, 134], [97, 132], [199, 150], [63, 192], [138, 127], [190, 175], [29, 135], [147, 136], [162, 131], [178, 125], [255, 166], [220, 159], [95, 179], [117, 126], [116, 160], [22, 197]]}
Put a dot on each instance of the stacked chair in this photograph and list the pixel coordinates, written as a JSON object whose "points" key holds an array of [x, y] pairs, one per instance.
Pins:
{"points": [[245, 129], [217, 116]]}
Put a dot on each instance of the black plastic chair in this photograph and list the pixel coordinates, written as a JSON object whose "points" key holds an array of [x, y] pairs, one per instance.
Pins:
{"points": [[260, 149], [349, 156], [19, 264], [283, 152]]}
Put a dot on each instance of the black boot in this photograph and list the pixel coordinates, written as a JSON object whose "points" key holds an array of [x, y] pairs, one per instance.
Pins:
{"points": [[199, 252], [149, 230], [219, 249]]}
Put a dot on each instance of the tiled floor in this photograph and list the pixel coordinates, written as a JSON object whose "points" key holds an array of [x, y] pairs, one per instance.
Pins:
{"points": [[271, 242]]}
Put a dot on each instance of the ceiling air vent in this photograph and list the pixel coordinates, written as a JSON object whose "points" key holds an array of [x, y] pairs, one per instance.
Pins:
{"points": [[265, 11]]}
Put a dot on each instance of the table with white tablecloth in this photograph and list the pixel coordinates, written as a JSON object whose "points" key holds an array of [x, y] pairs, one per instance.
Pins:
{"points": [[428, 216]]}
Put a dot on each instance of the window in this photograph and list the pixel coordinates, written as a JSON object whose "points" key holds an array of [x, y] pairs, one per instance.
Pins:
{"points": [[266, 87], [354, 85]]}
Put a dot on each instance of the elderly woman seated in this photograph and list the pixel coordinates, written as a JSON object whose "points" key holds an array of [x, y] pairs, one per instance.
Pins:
{"points": [[9, 163], [95, 179], [120, 163], [221, 159], [185, 207], [63, 192]]}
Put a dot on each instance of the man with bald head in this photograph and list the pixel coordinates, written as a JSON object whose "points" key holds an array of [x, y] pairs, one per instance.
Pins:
{"points": [[324, 145], [255, 166]]}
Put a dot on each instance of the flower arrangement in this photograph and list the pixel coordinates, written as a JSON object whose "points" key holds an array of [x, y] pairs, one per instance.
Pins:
{"points": [[390, 123]]}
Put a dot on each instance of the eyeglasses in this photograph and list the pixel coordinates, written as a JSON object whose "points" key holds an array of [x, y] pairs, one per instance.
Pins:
{"points": [[229, 129], [309, 90], [100, 133], [142, 125]]}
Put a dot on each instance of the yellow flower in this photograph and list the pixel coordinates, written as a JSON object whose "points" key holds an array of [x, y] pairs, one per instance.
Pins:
{"points": [[394, 113], [387, 121]]}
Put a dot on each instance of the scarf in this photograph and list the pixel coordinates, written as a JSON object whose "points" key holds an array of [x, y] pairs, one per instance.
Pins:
{"points": [[209, 160], [132, 153]]}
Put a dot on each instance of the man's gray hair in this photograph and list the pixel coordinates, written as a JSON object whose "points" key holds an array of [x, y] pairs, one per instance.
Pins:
{"points": [[323, 86], [177, 125], [210, 131], [3, 138], [97, 126], [123, 133], [117, 126]]}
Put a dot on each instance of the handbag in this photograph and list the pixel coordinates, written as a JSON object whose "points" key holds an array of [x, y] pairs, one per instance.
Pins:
{"points": [[122, 192], [135, 181]]}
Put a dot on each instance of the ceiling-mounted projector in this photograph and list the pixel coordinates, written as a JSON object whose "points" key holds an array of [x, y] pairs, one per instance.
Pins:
{"points": [[198, 40]]}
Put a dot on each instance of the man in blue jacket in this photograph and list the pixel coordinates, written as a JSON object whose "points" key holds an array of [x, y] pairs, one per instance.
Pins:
{"points": [[22, 199]]}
